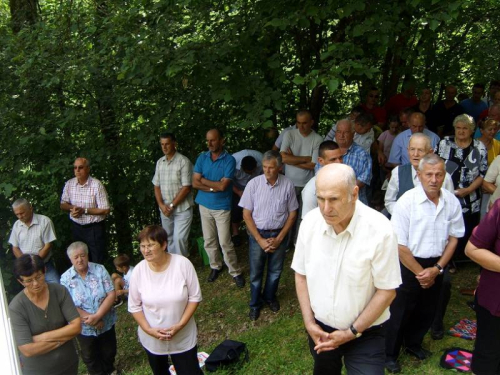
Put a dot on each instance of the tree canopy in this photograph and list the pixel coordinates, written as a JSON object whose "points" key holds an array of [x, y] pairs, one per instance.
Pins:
{"points": [[101, 79]]}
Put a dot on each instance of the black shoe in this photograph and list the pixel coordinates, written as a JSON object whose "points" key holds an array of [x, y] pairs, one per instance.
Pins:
{"points": [[274, 306], [419, 353], [214, 274], [239, 281], [392, 366], [236, 240], [437, 335], [254, 314]]}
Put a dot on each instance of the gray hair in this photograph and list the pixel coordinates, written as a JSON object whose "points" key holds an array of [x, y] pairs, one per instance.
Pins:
{"points": [[466, 120], [431, 159], [273, 155], [20, 202], [423, 136], [78, 245], [351, 123], [86, 161]]}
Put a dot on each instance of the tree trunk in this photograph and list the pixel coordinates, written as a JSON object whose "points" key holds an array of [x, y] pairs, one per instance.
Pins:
{"points": [[22, 13]]}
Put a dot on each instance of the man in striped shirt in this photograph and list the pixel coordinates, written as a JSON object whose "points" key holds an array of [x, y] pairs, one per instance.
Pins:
{"points": [[86, 200], [269, 210], [172, 187]]}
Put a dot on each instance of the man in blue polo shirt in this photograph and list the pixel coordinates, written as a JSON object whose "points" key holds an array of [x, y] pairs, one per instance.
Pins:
{"points": [[213, 175]]}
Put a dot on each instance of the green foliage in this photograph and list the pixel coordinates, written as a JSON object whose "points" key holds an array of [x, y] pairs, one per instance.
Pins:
{"points": [[102, 79]]}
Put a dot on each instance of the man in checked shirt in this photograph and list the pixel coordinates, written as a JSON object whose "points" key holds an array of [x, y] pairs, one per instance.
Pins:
{"points": [[87, 202]]}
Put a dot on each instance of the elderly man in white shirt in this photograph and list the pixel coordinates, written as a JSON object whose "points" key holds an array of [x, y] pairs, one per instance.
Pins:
{"points": [[428, 222], [404, 178], [346, 272]]}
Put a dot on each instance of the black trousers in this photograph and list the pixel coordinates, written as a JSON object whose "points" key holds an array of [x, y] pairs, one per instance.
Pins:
{"points": [[412, 311], [362, 356], [94, 235], [98, 352], [443, 300], [185, 363], [486, 355]]}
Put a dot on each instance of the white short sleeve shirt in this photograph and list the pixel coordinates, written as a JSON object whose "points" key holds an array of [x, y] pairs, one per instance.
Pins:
{"points": [[424, 227], [344, 270]]}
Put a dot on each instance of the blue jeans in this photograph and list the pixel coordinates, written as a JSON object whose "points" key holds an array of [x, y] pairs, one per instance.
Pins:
{"points": [[51, 274], [258, 259]]}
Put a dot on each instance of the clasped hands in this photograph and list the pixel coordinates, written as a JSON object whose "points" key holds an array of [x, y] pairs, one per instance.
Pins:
{"points": [[427, 277], [93, 320], [325, 341], [77, 211], [165, 334], [269, 245]]}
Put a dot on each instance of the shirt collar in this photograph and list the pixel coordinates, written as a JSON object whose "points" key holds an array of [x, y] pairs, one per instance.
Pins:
{"points": [[86, 182], [74, 274], [276, 183], [222, 155], [421, 197], [164, 158], [34, 221], [350, 228]]}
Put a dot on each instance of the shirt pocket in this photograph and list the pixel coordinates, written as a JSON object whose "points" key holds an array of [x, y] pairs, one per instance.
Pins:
{"points": [[279, 206]]}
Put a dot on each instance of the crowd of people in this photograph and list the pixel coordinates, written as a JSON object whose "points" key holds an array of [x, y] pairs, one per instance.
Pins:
{"points": [[377, 214]]}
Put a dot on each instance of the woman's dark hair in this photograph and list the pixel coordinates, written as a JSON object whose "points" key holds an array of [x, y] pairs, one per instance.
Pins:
{"points": [[393, 118], [153, 233], [27, 264]]}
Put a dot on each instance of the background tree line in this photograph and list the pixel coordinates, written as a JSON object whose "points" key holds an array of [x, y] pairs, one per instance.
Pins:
{"points": [[101, 79]]}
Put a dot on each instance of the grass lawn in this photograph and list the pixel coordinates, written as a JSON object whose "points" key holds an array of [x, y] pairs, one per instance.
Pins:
{"points": [[277, 342]]}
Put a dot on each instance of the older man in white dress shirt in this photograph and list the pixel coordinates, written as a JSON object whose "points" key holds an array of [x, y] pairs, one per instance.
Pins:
{"points": [[346, 271], [428, 222]]}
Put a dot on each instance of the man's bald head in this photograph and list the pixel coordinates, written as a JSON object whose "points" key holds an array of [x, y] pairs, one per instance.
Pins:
{"points": [[337, 174], [417, 122], [337, 193]]}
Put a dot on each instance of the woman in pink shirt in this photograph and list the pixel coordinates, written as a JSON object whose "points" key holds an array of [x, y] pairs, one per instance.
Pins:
{"points": [[163, 296]]}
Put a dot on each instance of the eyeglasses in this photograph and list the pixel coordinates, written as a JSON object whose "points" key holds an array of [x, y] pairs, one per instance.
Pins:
{"points": [[78, 167], [38, 279], [149, 246], [374, 96]]}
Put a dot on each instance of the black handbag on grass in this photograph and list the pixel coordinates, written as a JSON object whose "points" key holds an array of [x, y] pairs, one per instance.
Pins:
{"points": [[226, 353]]}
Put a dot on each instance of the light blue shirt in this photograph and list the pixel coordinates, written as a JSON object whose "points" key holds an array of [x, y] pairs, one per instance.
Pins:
{"points": [[88, 294], [399, 149]]}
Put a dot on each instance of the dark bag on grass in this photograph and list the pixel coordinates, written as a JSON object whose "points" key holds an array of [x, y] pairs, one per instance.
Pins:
{"points": [[225, 353]]}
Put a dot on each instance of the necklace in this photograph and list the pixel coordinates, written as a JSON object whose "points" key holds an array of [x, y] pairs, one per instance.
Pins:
{"points": [[45, 311]]}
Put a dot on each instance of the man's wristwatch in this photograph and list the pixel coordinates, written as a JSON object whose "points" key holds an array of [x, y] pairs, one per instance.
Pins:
{"points": [[441, 270], [355, 332], [212, 190], [86, 211], [171, 205]]}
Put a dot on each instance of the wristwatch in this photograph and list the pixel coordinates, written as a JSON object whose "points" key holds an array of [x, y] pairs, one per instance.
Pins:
{"points": [[355, 332], [212, 190], [441, 270], [86, 211], [171, 205]]}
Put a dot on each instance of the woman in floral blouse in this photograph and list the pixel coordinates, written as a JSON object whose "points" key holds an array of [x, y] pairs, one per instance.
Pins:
{"points": [[467, 162], [93, 293]]}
